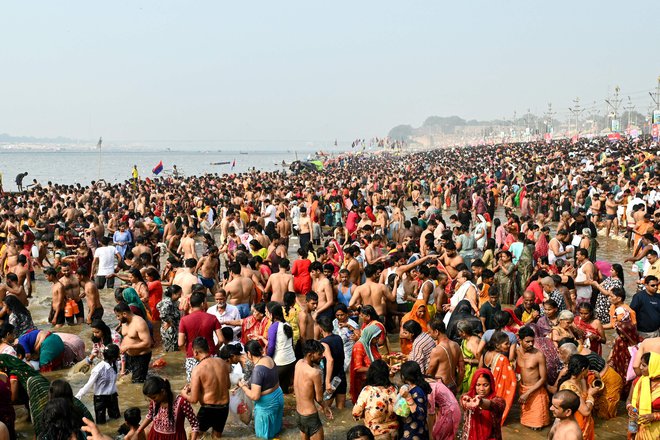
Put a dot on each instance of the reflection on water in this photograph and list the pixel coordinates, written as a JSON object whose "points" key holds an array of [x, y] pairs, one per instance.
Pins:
{"points": [[131, 394]]}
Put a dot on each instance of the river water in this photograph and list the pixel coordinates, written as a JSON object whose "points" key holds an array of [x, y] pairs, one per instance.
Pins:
{"points": [[71, 167], [612, 250]]}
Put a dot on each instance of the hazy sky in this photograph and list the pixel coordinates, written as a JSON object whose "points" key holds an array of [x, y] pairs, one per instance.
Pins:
{"points": [[309, 70]]}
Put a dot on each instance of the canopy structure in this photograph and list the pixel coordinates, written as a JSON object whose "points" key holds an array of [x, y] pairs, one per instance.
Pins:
{"points": [[306, 165]]}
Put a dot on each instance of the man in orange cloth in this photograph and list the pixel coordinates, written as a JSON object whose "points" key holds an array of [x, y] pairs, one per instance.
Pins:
{"points": [[533, 400]]}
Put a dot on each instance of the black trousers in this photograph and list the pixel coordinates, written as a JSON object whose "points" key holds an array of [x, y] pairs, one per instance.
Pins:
{"points": [[103, 403], [305, 239], [138, 366]]}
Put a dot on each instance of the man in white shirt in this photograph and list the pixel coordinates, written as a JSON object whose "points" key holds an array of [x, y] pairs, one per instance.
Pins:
{"points": [[269, 214], [225, 312], [270, 217], [104, 264]]}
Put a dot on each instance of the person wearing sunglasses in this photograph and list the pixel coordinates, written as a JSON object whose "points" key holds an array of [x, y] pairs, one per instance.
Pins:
{"points": [[646, 304]]}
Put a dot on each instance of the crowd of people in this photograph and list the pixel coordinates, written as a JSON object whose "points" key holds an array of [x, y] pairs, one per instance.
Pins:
{"points": [[427, 293]]}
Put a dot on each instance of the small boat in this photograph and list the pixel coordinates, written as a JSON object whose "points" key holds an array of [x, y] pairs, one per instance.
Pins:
{"points": [[242, 152], [221, 163]]}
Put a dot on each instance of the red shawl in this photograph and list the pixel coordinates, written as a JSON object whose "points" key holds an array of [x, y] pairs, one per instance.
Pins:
{"points": [[541, 247], [591, 333]]}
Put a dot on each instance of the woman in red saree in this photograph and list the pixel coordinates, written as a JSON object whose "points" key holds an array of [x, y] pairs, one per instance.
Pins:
{"points": [[418, 313], [620, 354], [483, 408], [335, 255], [592, 328], [541, 247], [496, 359], [255, 326], [302, 281], [365, 351]]}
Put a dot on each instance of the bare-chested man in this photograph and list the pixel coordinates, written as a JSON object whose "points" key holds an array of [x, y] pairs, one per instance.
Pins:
{"points": [[224, 224], [451, 259], [280, 283], [56, 316], [372, 293], [136, 342], [141, 248], [305, 320], [71, 287], [430, 227], [323, 288], [406, 233], [306, 228], [91, 294], [22, 271], [248, 272], [611, 217], [352, 265], [447, 363], [186, 279], [649, 345], [240, 289], [283, 227], [208, 269], [372, 253], [169, 229], [187, 245], [308, 388], [533, 400], [209, 385], [565, 404], [9, 257], [12, 287]]}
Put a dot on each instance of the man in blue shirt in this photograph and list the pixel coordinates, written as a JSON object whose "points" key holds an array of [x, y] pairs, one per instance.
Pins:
{"points": [[646, 304]]}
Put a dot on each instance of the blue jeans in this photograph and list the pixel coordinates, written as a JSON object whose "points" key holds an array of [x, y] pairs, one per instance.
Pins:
{"points": [[244, 310]]}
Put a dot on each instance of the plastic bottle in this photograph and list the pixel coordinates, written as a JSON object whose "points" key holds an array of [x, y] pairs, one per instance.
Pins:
{"points": [[334, 383], [632, 422]]}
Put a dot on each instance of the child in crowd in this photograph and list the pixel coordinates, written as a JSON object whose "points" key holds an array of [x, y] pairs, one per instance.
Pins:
{"points": [[132, 418], [104, 380], [489, 308]]}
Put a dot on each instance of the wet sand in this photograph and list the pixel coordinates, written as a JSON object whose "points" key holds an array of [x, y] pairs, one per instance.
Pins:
{"points": [[613, 250]]}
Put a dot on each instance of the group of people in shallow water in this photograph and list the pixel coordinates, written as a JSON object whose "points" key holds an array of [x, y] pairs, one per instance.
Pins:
{"points": [[433, 290]]}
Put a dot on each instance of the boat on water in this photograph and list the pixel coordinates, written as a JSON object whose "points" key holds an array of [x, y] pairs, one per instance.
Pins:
{"points": [[221, 163], [242, 152]]}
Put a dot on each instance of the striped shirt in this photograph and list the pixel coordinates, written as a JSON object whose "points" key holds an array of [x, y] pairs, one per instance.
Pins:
{"points": [[421, 350]]}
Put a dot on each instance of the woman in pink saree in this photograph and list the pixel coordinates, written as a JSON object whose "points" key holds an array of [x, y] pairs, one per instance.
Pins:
{"points": [[444, 414]]}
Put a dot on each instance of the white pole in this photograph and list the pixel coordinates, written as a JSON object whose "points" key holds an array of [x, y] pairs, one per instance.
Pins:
{"points": [[100, 143]]}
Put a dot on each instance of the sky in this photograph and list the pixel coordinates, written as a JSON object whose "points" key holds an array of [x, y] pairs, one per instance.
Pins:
{"points": [[308, 70]]}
